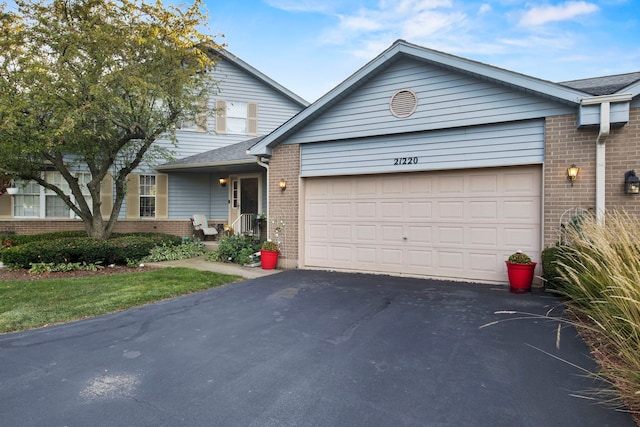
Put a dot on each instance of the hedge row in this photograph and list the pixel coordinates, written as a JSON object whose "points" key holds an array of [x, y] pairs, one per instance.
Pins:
{"points": [[116, 250]]}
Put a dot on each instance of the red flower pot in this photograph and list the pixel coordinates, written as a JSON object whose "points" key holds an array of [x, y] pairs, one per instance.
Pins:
{"points": [[520, 276], [268, 259]]}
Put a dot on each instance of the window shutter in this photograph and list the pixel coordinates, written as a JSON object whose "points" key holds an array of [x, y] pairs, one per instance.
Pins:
{"points": [[162, 196], [221, 116], [252, 118], [106, 196], [5, 206], [133, 196], [202, 115]]}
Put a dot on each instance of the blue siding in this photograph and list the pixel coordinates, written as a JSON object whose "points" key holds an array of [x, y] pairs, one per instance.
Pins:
{"points": [[235, 84], [507, 144], [445, 100]]}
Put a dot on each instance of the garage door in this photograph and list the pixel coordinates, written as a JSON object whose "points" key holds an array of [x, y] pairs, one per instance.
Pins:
{"points": [[454, 224]]}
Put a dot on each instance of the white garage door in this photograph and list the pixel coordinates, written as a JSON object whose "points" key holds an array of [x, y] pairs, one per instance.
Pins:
{"points": [[454, 224]]}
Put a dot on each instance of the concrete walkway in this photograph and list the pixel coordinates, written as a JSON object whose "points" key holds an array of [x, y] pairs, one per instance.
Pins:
{"points": [[201, 263]]}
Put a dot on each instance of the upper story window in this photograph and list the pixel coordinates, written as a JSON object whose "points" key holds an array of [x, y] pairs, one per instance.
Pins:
{"points": [[236, 117], [198, 123]]}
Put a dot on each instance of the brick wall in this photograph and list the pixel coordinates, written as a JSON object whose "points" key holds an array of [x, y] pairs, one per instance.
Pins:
{"points": [[284, 205], [565, 145]]}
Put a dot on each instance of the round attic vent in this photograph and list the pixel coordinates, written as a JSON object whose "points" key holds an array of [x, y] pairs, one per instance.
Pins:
{"points": [[403, 103]]}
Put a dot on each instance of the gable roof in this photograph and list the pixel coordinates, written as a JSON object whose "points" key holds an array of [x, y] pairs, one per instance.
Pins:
{"points": [[233, 59], [606, 85], [234, 154], [401, 49]]}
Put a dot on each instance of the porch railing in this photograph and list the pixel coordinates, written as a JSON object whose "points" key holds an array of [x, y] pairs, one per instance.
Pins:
{"points": [[244, 224]]}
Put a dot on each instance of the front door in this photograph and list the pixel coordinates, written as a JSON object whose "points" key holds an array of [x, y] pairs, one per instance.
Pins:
{"points": [[248, 195], [245, 199]]}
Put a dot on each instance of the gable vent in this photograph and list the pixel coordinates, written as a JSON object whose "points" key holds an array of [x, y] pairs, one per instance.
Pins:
{"points": [[403, 103]]}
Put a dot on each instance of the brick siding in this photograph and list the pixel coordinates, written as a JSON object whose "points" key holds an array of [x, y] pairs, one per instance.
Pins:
{"points": [[34, 226], [565, 144], [284, 205]]}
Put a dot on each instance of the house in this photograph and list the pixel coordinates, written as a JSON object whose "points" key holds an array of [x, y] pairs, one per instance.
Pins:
{"points": [[161, 197], [428, 164]]}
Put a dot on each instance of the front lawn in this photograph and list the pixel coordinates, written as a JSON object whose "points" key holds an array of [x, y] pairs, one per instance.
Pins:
{"points": [[43, 302]]}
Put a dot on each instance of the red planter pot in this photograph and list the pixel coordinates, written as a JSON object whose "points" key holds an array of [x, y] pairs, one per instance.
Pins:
{"points": [[520, 276], [268, 259]]}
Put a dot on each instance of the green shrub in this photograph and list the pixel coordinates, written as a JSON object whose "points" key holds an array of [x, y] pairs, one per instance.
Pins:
{"points": [[236, 248], [116, 250], [48, 267], [550, 271], [166, 252]]}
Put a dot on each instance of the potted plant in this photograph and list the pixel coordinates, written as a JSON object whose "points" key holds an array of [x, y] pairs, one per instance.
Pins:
{"points": [[520, 270], [269, 255]]}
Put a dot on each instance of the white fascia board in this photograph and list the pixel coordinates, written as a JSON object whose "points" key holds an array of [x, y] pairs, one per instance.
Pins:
{"points": [[616, 97]]}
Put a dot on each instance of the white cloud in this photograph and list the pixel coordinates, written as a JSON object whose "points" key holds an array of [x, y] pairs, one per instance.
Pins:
{"points": [[562, 12], [484, 8]]}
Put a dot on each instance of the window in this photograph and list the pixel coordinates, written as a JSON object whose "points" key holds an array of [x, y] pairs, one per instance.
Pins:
{"points": [[197, 123], [38, 202], [27, 202], [236, 117], [147, 196]]}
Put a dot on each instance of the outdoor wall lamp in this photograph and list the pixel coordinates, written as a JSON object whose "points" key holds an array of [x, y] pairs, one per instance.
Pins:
{"points": [[282, 184], [631, 182], [223, 182], [572, 173]]}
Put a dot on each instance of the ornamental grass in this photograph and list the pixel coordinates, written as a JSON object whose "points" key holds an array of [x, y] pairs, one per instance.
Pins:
{"points": [[600, 276]]}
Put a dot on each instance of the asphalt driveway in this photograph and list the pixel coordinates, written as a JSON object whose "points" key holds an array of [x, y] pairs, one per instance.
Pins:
{"points": [[307, 348]]}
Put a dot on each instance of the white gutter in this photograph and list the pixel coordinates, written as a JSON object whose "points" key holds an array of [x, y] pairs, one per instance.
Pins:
{"points": [[605, 129]]}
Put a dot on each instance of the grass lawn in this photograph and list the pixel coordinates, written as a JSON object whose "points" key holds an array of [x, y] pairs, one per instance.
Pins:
{"points": [[33, 304]]}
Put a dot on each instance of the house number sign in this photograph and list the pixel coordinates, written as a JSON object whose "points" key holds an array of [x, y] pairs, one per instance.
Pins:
{"points": [[401, 161]]}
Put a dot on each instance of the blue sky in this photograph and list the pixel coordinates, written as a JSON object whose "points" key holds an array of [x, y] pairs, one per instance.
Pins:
{"points": [[310, 46]]}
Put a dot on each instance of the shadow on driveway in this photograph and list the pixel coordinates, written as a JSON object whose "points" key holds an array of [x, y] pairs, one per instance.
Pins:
{"points": [[307, 348]]}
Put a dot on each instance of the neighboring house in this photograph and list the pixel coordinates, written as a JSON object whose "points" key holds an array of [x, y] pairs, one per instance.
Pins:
{"points": [[427, 164], [245, 105]]}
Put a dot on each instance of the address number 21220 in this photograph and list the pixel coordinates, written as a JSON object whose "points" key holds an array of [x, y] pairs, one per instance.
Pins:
{"points": [[399, 161]]}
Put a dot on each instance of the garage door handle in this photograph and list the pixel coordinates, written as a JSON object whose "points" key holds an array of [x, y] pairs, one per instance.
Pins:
{"points": [[404, 238]]}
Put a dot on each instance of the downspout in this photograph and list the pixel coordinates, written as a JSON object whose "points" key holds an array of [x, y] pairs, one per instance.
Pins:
{"points": [[266, 166], [605, 128]]}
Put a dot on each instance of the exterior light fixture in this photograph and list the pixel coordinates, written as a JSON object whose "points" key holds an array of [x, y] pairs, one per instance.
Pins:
{"points": [[631, 183], [282, 184], [223, 182], [572, 173]]}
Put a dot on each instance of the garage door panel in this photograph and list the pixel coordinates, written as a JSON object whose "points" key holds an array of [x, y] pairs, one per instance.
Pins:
{"points": [[520, 210], [449, 235], [484, 210], [483, 262], [391, 233], [450, 224], [452, 260], [483, 184], [419, 210], [365, 233], [419, 259], [317, 210], [318, 232], [340, 233], [365, 210], [419, 235], [483, 237]]}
